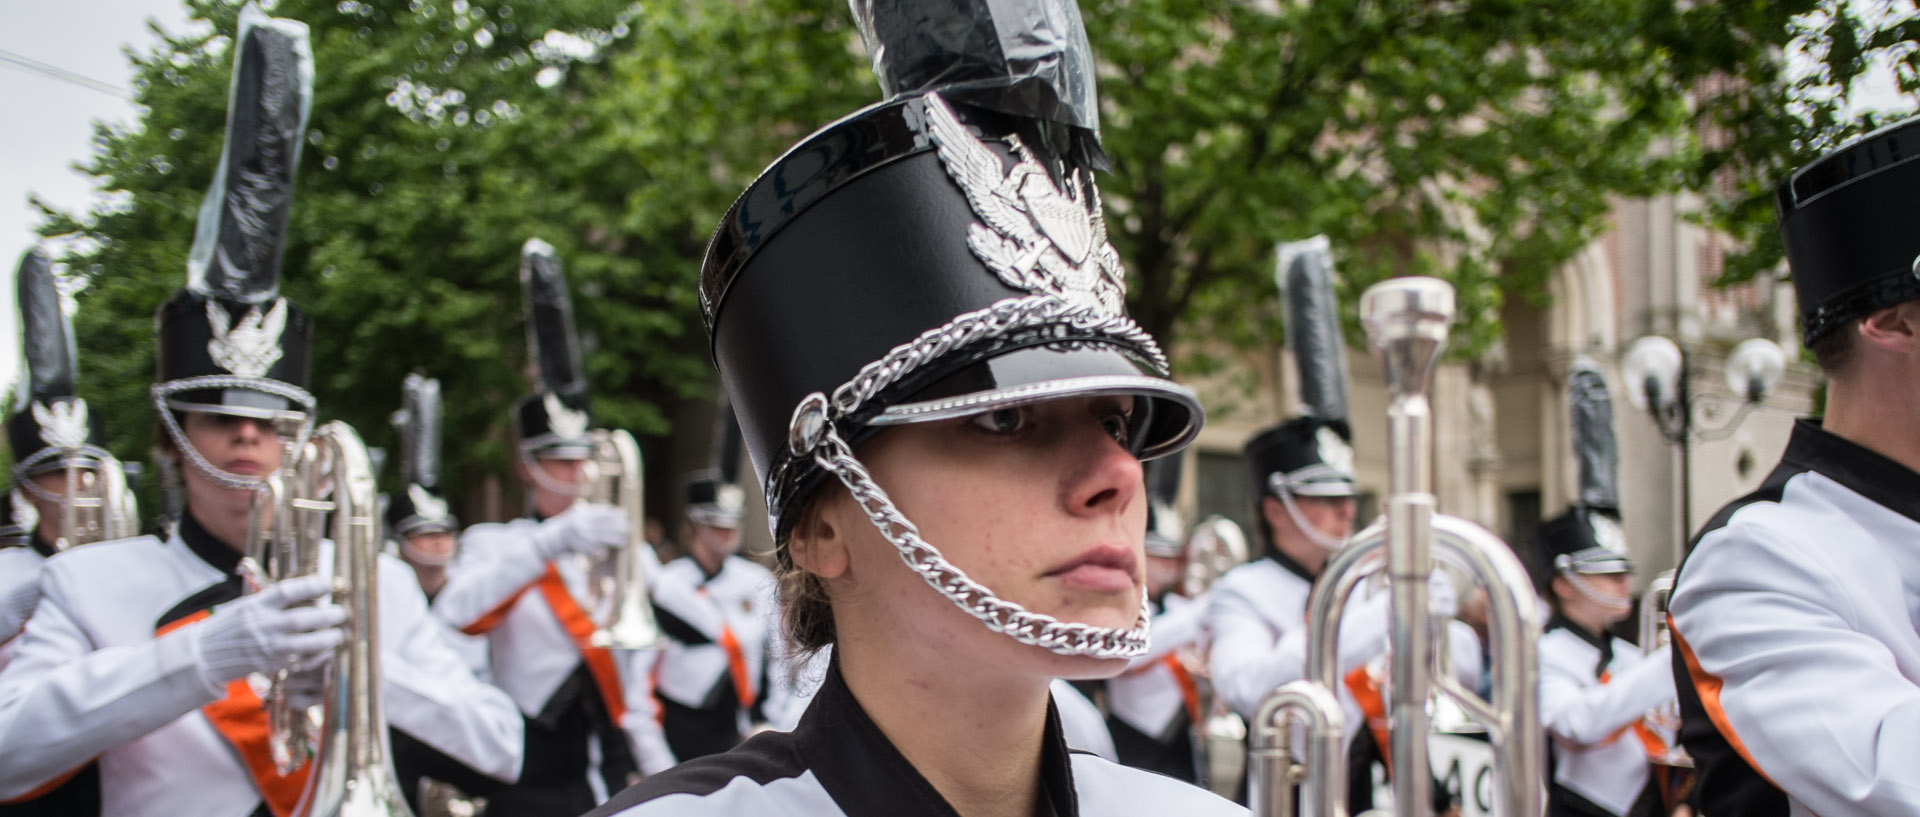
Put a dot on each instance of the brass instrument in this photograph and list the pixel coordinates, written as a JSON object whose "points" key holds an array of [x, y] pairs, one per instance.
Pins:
{"points": [[1215, 546], [617, 587], [326, 484], [1674, 769], [1406, 319]]}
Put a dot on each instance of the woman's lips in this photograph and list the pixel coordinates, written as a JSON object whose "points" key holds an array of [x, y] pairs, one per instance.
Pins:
{"points": [[245, 468], [1100, 569]]}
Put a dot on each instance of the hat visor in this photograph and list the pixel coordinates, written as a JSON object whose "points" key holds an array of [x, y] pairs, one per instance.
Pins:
{"points": [[257, 405], [1595, 564], [714, 518], [1166, 420], [551, 447]]}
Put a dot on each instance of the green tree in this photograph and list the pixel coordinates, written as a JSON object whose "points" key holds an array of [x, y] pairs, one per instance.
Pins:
{"points": [[442, 135]]}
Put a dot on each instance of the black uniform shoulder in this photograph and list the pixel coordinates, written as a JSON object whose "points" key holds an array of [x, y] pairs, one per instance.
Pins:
{"points": [[763, 759]]}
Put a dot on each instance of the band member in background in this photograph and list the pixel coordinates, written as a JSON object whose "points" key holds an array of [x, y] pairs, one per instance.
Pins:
{"points": [[919, 322], [1154, 706], [140, 650], [591, 717], [50, 432], [718, 676], [1796, 655], [1595, 689], [1302, 472], [418, 520]]}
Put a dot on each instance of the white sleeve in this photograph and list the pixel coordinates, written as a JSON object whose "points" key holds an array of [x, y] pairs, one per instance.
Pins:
{"points": [[1249, 659], [62, 702], [1588, 715], [1464, 646], [19, 592], [642, 720], [1820, 706], [1081, 722], [495, 567], [431, 692]]}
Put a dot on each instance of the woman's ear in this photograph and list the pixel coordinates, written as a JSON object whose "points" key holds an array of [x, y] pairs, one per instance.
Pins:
{"points": [[1894, 328], [815, 542]]}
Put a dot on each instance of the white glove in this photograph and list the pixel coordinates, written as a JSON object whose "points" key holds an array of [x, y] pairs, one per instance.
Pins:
{"points": [[17, 601], [264, 632], [586, 528]]}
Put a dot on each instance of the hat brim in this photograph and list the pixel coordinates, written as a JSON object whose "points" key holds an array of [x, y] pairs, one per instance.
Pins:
{"points": [[249, 403], [1167, 420]]}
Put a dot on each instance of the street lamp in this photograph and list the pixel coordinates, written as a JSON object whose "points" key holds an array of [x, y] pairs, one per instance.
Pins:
{"points": [[1659, 384]]}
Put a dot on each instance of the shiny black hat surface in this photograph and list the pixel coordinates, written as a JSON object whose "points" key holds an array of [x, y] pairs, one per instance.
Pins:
{"points": [[228, 342], [49, 413], [712, 501], [1309, 456], [550, 426], [1581, 540], [1848, 222], [416, 510]]}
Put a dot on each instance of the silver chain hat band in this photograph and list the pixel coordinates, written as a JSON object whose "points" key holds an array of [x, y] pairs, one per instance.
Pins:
{"points": [[812, 434], [227, 479]]}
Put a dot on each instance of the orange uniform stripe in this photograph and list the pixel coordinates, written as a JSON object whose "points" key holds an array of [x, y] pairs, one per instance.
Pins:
{"points": [[1373, 707], [1189, 692], [241, 718], [736, 662], [1707, 686], [498, 614], [580, 627]]}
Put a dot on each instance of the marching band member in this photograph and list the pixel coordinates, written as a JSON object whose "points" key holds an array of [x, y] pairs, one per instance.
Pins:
{"points": [[1595, 689], [140, 651], [418, 521], [1302, 472], [590, 712], [718, 675], [1795, 652], [1154, 705], [50, 432], [919, 322]]}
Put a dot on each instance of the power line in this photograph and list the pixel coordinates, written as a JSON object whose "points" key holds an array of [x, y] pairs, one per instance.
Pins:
{"points": [[61, 74]]}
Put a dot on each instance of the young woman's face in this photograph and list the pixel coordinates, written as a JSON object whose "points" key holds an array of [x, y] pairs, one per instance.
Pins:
{"points": [[237, 445], [1042, 504]]}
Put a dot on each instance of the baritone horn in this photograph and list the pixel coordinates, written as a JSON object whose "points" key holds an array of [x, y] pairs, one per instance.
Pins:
{"points": [[617, 589], [1406, 320]]}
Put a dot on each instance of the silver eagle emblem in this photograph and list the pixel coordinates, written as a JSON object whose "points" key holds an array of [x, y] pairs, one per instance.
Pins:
{"points": [[565, 423], [252, 347], [426, 505], [62, 425], [1030, 233], [1333, 450]]}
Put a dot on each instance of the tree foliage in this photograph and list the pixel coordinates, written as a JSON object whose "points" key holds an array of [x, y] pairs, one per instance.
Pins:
{"points": [[1483, 141]]}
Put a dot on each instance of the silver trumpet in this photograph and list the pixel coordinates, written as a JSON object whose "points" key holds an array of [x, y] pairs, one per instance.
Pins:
{"points": [[97, 507], [617, 589], [281, 545], [1407, 319], [1654, 634]]}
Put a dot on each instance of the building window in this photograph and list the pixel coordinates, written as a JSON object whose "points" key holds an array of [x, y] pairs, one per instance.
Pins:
{"points": [[1523, 519], [1222, 490]]}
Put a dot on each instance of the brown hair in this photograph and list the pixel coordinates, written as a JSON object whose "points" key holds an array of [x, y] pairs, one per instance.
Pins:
{"points": [[1834, 350], [806, 613]]}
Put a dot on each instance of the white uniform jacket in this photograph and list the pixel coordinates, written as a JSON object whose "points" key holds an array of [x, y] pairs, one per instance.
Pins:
{"points": [[1596, 754], [706, 619], [1148, 696], [1257, 616], [1797, 639], [492, 590], [19, 588], [91, 679], [837, 762]]}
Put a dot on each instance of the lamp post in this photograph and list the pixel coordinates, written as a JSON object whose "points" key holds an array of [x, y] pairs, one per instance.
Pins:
{"points": [[1659, 382]]}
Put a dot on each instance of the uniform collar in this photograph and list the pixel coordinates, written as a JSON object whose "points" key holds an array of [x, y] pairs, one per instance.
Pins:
{"points": [[1599, 642], [1292, 566], [867, 777], [210, 550], [1862, 470], [40, 546]]}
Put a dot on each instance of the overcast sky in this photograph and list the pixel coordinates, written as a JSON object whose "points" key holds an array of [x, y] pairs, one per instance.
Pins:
{"points": [[47, 120]]}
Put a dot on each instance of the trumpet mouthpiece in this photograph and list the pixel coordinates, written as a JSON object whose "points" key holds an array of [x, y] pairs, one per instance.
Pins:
{"points": [[1407, 321]]}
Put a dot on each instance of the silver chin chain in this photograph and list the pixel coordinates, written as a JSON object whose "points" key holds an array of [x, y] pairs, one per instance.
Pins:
{"points": [[812, 434], [225, 478]]}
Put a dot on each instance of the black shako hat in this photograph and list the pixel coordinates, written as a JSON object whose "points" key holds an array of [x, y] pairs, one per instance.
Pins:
{"points": [[228, 343], [712, 501], [929, 258], [553, 421], [418, 506], [1847, 220], [50, 424], [1587, 538], [1308, 456]]}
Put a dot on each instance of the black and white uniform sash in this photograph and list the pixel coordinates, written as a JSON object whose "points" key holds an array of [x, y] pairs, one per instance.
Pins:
{"points": [[1594, 692], [838, 762]]}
